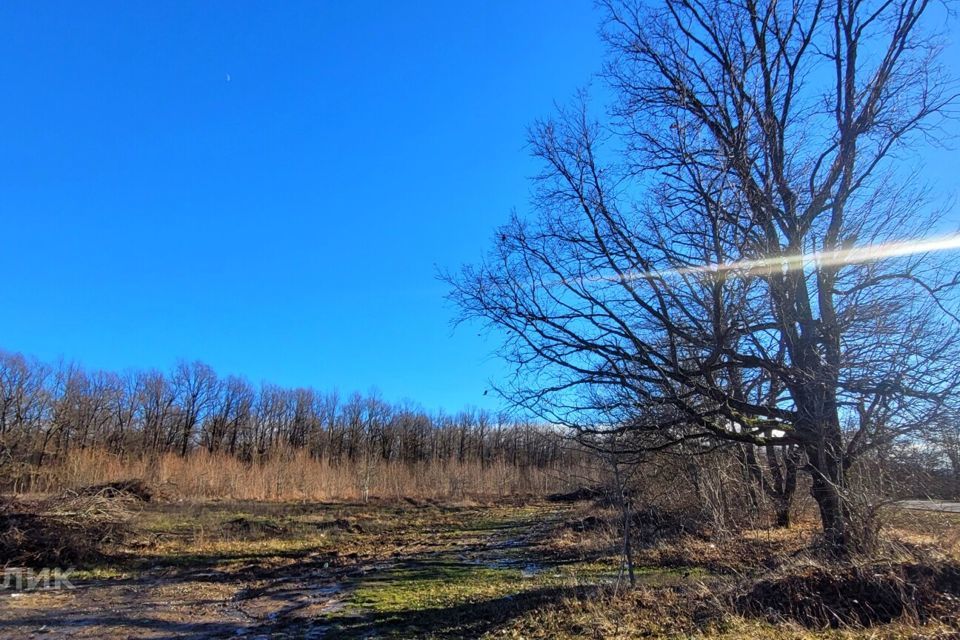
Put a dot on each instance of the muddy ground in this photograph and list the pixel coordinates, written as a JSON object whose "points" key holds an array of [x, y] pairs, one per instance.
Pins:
{"points": [[419, 570], [314, 571]]}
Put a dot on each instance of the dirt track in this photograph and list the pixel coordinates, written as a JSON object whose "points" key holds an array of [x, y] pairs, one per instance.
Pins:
{"points": [[312, 595]]}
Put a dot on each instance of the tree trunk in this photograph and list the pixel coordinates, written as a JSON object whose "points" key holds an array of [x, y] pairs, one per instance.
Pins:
{"points": [[627, 541], [626, 512], [826, 469], [783, 468], [783, 514]]}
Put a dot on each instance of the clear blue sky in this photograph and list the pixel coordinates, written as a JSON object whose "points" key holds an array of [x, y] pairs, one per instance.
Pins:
{"points": [[268, 187]]}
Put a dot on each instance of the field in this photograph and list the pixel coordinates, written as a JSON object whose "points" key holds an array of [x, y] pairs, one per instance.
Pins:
{"points": [[412, 569]]}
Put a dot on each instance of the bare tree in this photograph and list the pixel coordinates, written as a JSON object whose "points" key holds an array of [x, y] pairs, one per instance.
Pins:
{"points": [[195, 386], [739, 247], [156, 411]]}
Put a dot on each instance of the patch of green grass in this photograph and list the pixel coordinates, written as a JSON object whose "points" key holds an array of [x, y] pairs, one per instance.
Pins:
{"points": [[436, 585], [99, 573]]}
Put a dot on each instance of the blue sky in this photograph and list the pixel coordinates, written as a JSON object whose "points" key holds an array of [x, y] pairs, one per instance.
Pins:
{"points": [[269, 187]]}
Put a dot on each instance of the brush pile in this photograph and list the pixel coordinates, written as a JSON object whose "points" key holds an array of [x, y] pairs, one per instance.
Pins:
{"points": [[123, 490], [69, 529]]}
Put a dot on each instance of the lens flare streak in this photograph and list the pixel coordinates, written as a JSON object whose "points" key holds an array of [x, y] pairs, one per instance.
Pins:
{"points": [[782, 264]]}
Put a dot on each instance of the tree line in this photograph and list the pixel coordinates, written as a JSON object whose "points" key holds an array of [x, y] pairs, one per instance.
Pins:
{"points": [[47, 412]]}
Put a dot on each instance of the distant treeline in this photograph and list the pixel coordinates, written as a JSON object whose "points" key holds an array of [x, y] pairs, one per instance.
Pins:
{"points": [[47, 412]]}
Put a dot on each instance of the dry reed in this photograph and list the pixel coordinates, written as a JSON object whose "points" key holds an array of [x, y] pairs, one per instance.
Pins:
{"points": [[294, 475]]}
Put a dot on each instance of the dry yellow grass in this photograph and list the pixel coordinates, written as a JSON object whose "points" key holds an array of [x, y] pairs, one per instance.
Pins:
{"points": [[708, 571], [933, 532], [297, 476]]}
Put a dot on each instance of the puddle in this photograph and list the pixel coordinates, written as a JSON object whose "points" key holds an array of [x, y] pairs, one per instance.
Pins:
{"points": [[333, 595]]}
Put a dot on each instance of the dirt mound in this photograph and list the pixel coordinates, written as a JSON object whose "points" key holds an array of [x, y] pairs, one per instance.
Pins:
{"points": [[341, 524], [253, 528], [134, 488], [859, 596], [61, 531], [577, 495]]}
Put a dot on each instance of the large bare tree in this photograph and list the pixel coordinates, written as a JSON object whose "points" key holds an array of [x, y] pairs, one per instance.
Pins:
{"points": [[737, 253]]}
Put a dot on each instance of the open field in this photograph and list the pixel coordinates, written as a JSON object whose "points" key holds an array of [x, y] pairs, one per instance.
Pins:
{"points": [[931, 505], [423, 569], [598, 319], [311, 570]]}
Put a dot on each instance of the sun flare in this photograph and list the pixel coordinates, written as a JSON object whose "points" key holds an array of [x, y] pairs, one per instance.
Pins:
{"points": [[784, 263]]}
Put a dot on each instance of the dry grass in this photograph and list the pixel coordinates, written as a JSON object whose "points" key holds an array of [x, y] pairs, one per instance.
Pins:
{"points": [[691, 612], [929, 532], [297, 476], [438, 570], [765, 583], [856, 595]]}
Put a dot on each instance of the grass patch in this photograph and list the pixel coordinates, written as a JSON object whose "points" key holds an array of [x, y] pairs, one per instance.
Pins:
{"points": [[435, 585]]}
